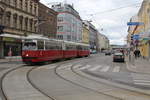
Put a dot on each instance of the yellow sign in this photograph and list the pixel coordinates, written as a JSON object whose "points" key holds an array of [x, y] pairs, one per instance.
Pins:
{"points": [[9, 39]]}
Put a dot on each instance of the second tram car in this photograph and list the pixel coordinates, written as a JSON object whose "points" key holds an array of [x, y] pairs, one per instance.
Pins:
{"points": [[42, 49]]}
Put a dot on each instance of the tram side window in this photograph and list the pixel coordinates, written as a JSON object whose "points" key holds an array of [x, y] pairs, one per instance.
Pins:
{"points": [[53, 46], [79, 48], [70, 47], [40, 45], [29, 46]]}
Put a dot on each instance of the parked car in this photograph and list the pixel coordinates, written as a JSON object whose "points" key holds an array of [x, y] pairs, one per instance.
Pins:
{"points": [[108, 53], [93, 51], [118, 57]]}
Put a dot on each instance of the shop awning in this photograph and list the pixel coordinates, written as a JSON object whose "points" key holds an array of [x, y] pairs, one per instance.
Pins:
{"points": [[11, 36]]}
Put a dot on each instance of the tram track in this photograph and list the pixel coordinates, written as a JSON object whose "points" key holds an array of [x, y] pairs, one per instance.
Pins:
{"points": [[69, 81], [33, 85], [57, 73], [2, 78], [27, 77]]}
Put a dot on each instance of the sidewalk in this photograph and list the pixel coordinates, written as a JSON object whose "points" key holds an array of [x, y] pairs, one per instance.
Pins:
{"points": [[11, 59], [139, 65]]}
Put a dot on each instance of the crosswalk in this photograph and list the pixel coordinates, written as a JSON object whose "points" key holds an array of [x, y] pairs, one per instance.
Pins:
{"points": [[101, 68], [141, 79]]}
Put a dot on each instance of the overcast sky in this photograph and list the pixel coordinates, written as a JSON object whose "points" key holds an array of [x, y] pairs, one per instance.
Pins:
{"points": [[113, 23]]}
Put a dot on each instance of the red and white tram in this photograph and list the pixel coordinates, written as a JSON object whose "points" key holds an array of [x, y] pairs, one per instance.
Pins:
{"points": [[42, 49]]}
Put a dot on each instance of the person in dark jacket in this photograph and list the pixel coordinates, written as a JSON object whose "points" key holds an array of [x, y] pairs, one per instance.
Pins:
{"points": [[137, 53]]}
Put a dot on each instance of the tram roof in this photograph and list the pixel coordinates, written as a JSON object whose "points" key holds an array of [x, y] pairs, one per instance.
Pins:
{"points": [[41, 37]]}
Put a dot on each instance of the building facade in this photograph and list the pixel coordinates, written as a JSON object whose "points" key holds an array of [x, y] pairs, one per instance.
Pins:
{"points": [[69, 23], [18, 17], [92, 35], [85, 33], [47, 21], [142, 30], [103, 42]]}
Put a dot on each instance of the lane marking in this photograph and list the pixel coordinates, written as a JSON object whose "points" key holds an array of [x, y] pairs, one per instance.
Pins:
{"points": [[65, 66], [146, 81], [77, 66], [95, 68], [116, 69], [105, 69], [142, 83], [133, 66], [48, 67], [85, 67]]}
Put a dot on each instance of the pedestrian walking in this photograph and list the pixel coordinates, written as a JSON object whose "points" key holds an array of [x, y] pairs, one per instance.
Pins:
{"points": [[137, 53], [10, 53]]}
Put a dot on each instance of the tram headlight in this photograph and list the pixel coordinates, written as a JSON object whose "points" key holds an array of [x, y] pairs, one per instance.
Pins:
{"points": [[27, 55]]}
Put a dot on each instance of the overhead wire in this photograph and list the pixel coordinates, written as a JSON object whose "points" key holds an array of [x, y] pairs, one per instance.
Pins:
{"points": [[111, 10]]}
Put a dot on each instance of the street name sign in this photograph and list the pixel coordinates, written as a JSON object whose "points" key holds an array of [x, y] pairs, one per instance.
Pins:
{"points": [[135, 23]]}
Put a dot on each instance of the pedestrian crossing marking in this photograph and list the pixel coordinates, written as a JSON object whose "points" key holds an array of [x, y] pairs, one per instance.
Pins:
{"points": [[95, 68], [86, 67], [105, 69], [116, 69], [139, 79]]}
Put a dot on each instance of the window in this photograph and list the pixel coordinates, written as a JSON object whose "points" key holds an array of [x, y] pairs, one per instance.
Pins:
{"points": [[68, 37], [8, 1], [15, 3], [60, 19], [60, 28], [26, 24], [51, 45], [8, 15], [40, 45], [35, 8], [15, 20], [70, 47], [1, 15], [31, 24], [31, 7], [29, 46], [1, 18], [20, 4], [26, 5], [20, 22], [60, 37]]}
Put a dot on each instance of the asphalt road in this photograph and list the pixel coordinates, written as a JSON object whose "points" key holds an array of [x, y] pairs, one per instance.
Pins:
{"points": [[65, 81], [91, 78]]}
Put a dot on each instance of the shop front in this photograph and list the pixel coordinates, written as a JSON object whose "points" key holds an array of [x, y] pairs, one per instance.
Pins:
{"points": [[12, 45]]}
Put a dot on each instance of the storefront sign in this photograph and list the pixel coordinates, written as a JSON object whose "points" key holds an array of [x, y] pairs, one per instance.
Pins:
{"points": [[11, 39]]}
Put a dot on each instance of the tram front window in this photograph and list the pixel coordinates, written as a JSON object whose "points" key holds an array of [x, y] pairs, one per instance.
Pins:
{"points": [[29, 46]]}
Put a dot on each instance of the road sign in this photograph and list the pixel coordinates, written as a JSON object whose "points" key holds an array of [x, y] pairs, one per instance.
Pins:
{"points": [[135, 23], [136, 37], [146, 38]]}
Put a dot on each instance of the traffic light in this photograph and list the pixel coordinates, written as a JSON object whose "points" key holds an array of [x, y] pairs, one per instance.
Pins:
{"points": [[1, 29]]}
